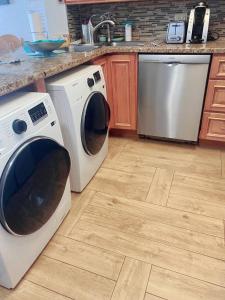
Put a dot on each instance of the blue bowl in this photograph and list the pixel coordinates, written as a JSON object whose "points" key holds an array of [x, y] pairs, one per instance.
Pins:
{"points": [[42, 45]]}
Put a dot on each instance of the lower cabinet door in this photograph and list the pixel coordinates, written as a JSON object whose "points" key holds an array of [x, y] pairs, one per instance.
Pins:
{"points": [[103, 62], [122, 71], [213, 127], [215, 97], [218, 67]]}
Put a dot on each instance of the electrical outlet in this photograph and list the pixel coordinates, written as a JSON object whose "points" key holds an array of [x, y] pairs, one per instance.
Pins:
{"points": [[181, 17]]}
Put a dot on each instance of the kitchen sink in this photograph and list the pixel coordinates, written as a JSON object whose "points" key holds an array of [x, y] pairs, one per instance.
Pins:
{"points": [[90, 47], [127, 44], [86, 47]]}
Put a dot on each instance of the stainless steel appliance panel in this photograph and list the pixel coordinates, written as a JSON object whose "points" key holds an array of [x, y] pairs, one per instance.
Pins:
{"points": [[171, 94]]}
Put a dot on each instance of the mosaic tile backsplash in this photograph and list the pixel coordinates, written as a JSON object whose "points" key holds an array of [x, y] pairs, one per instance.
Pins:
{"points": [[150, 17]]}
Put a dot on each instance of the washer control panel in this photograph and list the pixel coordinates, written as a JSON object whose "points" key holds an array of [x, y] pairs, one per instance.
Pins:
{"points": [[25, 118], [91, 81], [37, 113], [97, 76]]}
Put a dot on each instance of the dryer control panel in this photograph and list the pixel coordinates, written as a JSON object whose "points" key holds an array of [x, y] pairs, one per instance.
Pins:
{"points": [[22, 116], [37, 113], [97, 76]]}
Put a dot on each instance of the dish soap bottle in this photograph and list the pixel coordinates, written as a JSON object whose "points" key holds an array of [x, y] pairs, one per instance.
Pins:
{"points": [[128, 31]]}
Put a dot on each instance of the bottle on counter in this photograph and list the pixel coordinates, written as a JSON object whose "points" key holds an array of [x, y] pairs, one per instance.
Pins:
{"points": [[85, 32], [128, 31]]}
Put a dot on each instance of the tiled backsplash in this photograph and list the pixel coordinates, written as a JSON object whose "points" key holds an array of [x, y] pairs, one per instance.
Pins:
{"points": [[150, 16]]}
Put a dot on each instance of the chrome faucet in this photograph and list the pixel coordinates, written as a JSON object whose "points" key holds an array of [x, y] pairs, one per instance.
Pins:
{"points": [[92, 29]]}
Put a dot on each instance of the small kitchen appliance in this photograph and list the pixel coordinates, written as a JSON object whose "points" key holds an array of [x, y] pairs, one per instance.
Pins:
{"points": [[176, 32], [198, 24]]}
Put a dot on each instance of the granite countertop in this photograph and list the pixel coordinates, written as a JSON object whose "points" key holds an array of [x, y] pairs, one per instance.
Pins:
{"points": [[15, 76]]}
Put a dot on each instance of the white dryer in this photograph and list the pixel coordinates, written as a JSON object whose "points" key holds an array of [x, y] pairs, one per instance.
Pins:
{"points": [[79, 97], [34, 188]]}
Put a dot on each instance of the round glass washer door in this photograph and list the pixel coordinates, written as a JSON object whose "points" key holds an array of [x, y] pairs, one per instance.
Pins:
{"points": [[32, 185], [95, 123]]}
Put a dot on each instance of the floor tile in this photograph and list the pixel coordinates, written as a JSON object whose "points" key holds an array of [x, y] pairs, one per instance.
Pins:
{"points": [[132, 281], [171, 286], [163, 233], [167, 156], [137, 165], [178, 260], [70, 281], [122, 184], [93, 259], [160, 187], [27, 290], [162, 214], [210, 207], [198, 194], [79, 202]]}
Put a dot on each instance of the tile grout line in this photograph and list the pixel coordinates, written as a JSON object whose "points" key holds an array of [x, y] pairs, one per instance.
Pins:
{"points": [[170, 188], [148, 192], [157, 296], [149, 275], [189, 276], [129, 173], [190, 212], [174, 208], [68, 264], [81, 212], [68, 297], [118, 277]]}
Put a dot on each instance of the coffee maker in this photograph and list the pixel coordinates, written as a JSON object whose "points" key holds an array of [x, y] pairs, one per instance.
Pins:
{"points": [[198, 24]]}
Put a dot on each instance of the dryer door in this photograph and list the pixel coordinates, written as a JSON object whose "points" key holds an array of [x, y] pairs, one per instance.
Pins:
{"points": [[32, 185], [94, 123]]}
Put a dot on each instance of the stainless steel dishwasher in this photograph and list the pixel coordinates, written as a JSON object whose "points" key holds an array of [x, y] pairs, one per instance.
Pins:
{"points": [[171, 94]]}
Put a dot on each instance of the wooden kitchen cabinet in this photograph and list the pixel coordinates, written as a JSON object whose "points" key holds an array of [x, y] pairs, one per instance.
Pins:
{"points": [[120, 72], [218, 67], [215, 97], [102, 61], [214, 127], [213, 121]]}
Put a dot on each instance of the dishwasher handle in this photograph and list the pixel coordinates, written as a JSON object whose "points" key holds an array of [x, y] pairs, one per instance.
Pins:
{"points": [[171, 63], [164, 63], [182, 59]]}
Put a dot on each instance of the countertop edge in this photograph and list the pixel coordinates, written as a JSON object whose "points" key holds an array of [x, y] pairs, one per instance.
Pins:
{"points": [[15, 82]]}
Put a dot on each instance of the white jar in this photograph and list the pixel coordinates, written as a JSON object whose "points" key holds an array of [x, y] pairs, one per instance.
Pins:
{"points": [[128, 32]]}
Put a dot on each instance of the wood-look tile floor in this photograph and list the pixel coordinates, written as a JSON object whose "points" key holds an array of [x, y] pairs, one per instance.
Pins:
{"points": [[149, 226]]}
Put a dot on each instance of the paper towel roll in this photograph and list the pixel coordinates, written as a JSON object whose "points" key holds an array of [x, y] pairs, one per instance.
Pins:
{"points": [[36, 26]]}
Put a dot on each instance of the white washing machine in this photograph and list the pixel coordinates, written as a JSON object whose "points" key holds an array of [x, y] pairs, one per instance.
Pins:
{"points": [[34, 188], [79, 97]]}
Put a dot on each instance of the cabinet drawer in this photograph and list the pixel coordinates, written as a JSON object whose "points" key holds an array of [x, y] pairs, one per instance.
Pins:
{"points": [[218, 67], [215, 97], [213, 127]]}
